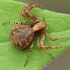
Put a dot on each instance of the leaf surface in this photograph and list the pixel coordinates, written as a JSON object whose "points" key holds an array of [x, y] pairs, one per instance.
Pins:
{"points": [[12, 58]]}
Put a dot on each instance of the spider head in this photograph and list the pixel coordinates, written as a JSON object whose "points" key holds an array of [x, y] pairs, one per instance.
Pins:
{"points": [[38, 26]]}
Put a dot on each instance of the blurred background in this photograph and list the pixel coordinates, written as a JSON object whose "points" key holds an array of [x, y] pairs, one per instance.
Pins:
{"points": [[62, 6]]}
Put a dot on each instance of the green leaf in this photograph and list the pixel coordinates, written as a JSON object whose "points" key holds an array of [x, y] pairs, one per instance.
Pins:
{"points": [[14, 59]]}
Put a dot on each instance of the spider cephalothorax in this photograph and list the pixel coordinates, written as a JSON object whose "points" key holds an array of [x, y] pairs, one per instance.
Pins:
{"points": [[38, 27]]}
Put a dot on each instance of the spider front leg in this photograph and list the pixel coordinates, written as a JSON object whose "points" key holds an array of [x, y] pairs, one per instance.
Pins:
{"points": [[35, 5], [25, 12]]}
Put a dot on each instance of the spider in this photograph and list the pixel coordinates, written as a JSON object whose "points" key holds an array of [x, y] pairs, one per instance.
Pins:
{"points": [[39, 28], [22, 36]]}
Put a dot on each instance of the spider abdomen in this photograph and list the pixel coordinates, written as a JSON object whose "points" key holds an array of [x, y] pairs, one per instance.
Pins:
{"points": [[22, 36]]}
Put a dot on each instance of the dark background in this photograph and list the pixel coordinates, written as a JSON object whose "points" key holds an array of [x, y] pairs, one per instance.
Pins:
{"points": [[62, 6]]}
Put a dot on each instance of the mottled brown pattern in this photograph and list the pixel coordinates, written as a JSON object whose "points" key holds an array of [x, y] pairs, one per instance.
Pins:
{"points": [[22, 36]]}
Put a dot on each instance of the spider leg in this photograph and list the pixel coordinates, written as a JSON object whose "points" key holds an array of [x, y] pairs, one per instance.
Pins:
{"points": [[42, 47], [28, 54], [41, 44], [48, 53], [25, 11], [21, 23], [54, 39], [35, 5], [28, 5]]}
